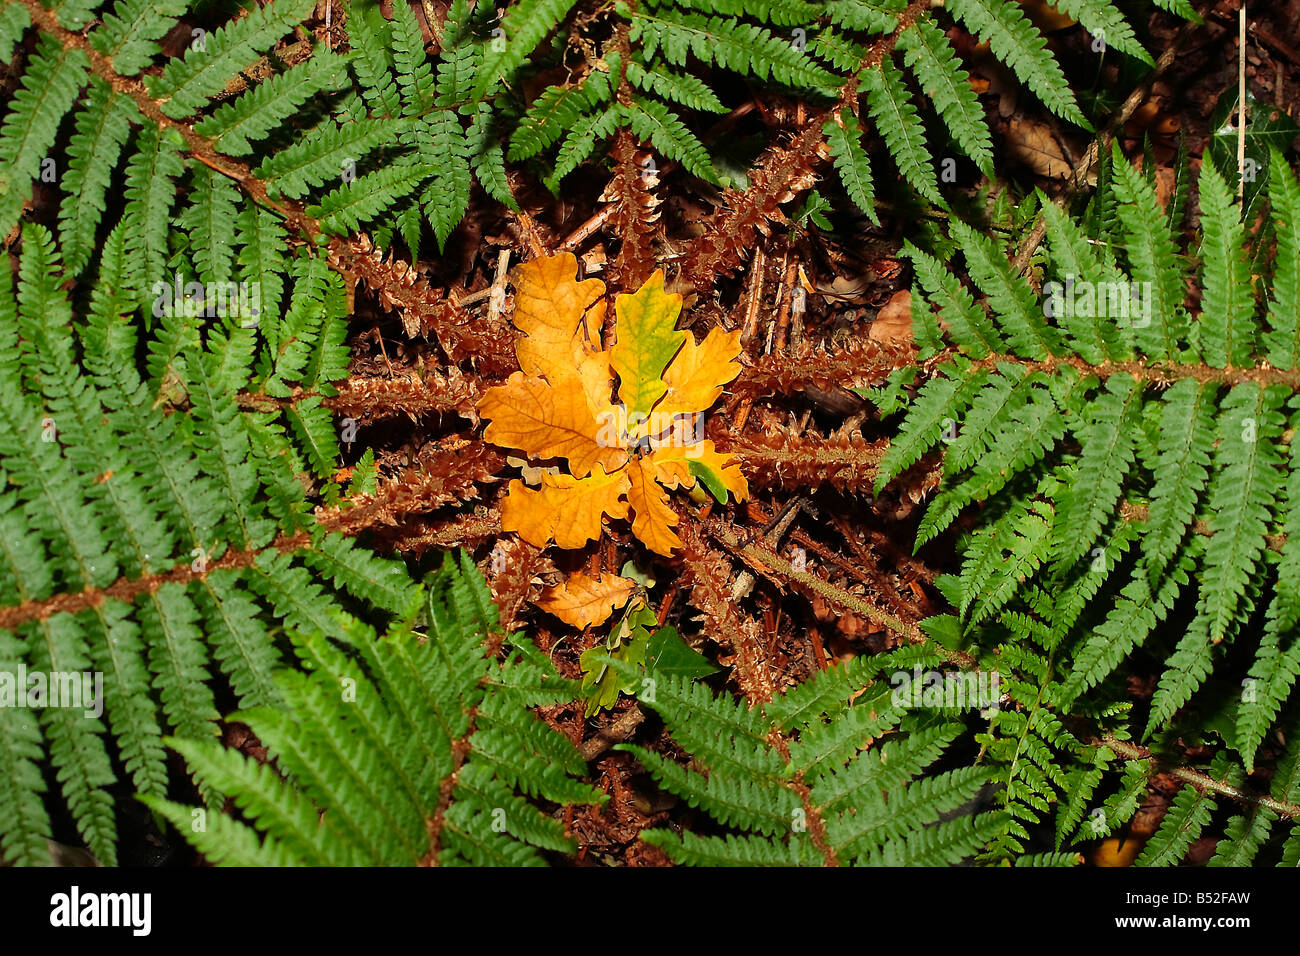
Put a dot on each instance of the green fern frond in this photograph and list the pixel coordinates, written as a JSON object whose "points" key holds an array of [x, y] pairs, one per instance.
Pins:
{"points": [[851, 161], [53, 79], [1017, 42], [896, 117], [1162, 484], [830, 801], [363, 755], [130, 32], [929, 55], [186, 84]]}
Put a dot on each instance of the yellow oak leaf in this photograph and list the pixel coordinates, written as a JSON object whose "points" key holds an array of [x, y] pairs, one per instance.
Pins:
{"points": [[719, 472], [646, 341], [597, 382], [584, 601], [652, 519], [670, 466], [565, 508], [696, 376], [549, 308], [560, 405], [548, 421]]}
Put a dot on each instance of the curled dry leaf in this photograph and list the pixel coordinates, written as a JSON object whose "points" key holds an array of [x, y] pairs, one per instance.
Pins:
{"points": [[583, 601], [1035, 145], [893, 323]]}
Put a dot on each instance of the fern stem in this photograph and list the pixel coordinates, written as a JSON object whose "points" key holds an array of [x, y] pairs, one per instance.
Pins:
{"points": [[784, 461], [398, 288], [812, 813], [766, 562], [435, 482], [1201, 781], [1154, 373], [710, 572]]}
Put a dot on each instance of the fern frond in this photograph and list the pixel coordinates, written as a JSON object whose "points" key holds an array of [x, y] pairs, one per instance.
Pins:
{"points": [[361, 200], [831, 801], [53, 79], [102, 127], [1225, 330], [358, 785], [130, 32], [896, 117], [680, 88], [1018, 43], [237, 125], [655, 122], [186, 84], [851, 161], [741, 47], [929, 55]]}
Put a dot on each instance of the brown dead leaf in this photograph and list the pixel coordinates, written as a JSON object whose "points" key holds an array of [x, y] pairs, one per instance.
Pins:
{"points": [[844, 289], [1034, 145], [583, 601], [893, 324], [1045, 16]]}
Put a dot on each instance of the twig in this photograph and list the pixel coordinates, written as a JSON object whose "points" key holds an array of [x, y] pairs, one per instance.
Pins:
{"points": [[766, 561], [1241, 101], [1200, 780], [1135, 99], [497, 294], [772, 536], [615, 733]]}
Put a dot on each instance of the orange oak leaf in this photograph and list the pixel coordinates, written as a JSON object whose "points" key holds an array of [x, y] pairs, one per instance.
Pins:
{"points": [[696, 376], [584, 601], [549, 309], [565, 508], [549, 421], [597, 382], [670, 465], [561, 405], [653, 518]]}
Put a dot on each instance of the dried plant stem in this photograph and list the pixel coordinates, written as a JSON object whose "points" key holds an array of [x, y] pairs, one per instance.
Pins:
{"points": [[767, 562], [1029, 245], [1241, 100], [1157, 373], [1199, 780]]}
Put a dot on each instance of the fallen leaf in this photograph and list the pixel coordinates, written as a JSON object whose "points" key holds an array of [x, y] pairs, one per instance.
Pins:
{"points": [[653, 518], [560, 405], [647, 339], [565, 508], [893, 322], [696, 376], [583, 601], [1111, 853], [1034, 145], [548, 421], [720, 473], [549, 309]]}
